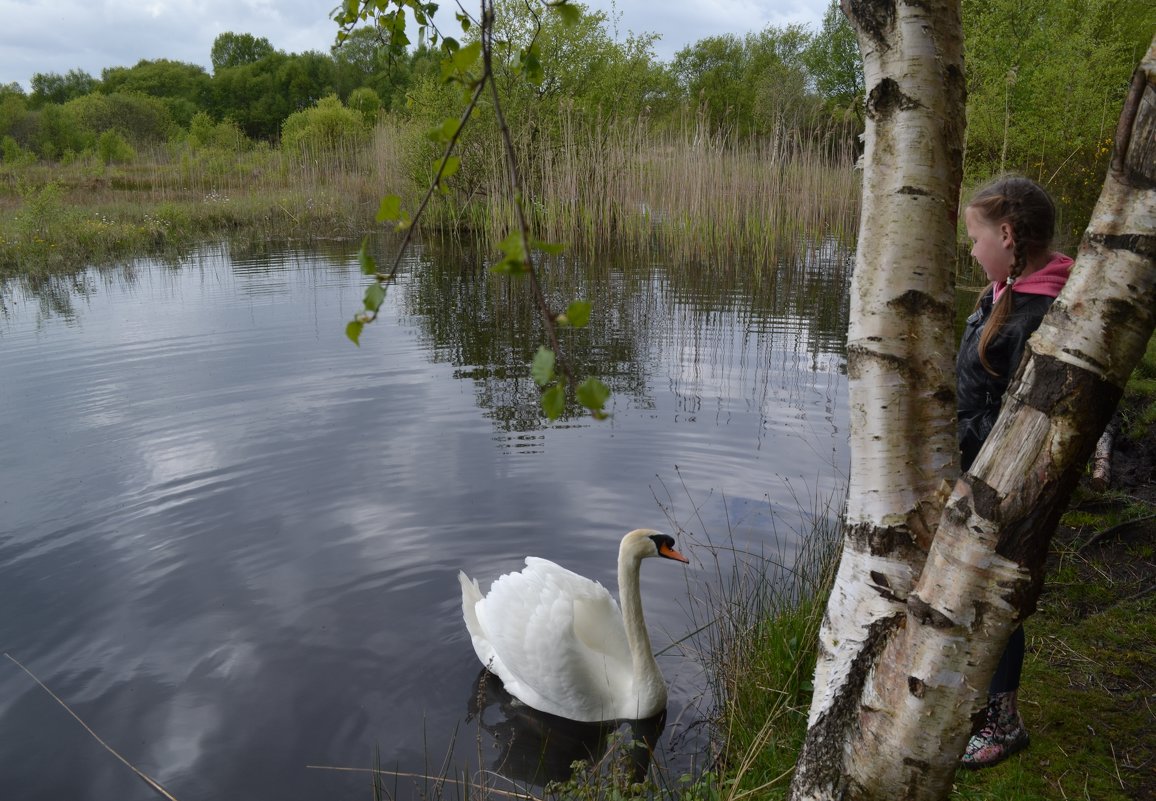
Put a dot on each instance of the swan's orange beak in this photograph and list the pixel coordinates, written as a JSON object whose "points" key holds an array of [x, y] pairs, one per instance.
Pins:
{"points": [[670, 553]]}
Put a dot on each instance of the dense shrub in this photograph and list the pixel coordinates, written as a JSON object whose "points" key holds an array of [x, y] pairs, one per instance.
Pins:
{"points": [[140, 119], [326, 126], [224, 135], [365, 102], [113, 148]]}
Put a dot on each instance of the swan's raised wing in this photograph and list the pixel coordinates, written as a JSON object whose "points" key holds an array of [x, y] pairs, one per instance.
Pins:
{"points": [[556, 640]]}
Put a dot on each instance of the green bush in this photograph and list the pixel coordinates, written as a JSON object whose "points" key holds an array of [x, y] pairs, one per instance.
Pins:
{"points": [[11, 153], [140, 119], [328, 125], [112, 148], [225, 135], [366, 103]]}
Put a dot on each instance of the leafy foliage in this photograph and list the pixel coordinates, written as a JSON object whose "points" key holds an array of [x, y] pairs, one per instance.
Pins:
{"points": [[259, 96], [113, 148], [832, 59], [325, 126], [183, 87], [137, 117], [235, 49], [224, 135], [752, 84], [52, 87], [365, 102], [1046, 80]]}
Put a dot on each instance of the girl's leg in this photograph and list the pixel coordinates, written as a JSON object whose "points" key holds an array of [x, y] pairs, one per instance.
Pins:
{"points": [[1011, 665], [1003, 733]]}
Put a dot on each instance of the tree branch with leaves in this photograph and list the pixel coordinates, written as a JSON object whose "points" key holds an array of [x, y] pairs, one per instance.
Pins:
{"points": [[471, 67]]}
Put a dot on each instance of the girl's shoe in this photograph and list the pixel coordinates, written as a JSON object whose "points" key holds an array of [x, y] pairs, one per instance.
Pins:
{"points": [[1001, 736]]}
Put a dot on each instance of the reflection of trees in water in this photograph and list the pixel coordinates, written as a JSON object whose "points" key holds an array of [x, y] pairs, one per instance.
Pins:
{"points": [[535, 748], [488, 326], [57, 295]]}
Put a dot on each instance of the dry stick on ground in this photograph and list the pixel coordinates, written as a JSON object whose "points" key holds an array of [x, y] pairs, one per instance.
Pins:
{"points": [[1102, 460], [147, 779], [1103, 535]]}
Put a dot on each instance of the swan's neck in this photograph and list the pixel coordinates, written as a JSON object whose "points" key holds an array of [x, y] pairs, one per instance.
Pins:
{"points": [[649, 685]]}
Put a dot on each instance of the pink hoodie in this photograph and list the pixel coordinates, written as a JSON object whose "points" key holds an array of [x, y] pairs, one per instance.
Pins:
{"points": [[1048, 280]]}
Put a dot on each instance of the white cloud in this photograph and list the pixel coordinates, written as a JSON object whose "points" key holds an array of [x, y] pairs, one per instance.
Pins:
{"points": [[60, 36]]}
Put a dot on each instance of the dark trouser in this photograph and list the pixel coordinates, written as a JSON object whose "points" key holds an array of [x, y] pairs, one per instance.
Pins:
{"points": [[1007, 673]]}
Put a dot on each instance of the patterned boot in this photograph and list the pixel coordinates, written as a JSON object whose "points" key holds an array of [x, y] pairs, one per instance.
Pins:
{"points": [[1001, 736]]}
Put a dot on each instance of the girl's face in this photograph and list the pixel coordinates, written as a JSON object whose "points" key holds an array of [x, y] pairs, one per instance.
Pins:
{"points": [[991, 245]]}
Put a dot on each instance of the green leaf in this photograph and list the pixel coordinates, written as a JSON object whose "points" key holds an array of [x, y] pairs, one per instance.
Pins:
{"points": [[549, 248], [513, 247], [514, 261], [374, 295], [390, 208], [530, 65], [578, 313], [365, 259], [353, 331], [444, 132], [543, 367], [448, 166], [593, 394], [554, 401], [463, 59]]}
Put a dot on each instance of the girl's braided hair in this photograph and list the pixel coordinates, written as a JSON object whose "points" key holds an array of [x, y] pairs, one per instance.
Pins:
{"points": [[1029, 211]]}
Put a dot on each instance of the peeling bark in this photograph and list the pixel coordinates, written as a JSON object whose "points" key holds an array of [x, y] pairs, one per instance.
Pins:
{"points": [[900, 358], [908, 646]]}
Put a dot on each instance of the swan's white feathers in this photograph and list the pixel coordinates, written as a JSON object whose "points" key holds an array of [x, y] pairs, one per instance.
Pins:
{"points": [[554, 638], [558, 641]]}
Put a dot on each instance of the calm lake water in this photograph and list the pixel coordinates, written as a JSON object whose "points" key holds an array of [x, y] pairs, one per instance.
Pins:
{"points": [[229, 539]]}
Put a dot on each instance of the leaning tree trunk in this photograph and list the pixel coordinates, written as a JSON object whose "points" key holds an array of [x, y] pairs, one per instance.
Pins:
{"points": [[985, 567], [900, 354]]}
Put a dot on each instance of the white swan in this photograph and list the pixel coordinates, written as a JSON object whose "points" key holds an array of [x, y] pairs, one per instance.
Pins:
{"points": [[558, 642]]}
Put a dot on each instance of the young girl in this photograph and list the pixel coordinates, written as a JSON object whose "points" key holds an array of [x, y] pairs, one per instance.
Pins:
{"points": [[1010, 223]]}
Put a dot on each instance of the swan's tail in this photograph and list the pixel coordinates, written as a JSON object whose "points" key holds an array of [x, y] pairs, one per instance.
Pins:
{"points": [[471, 594]]}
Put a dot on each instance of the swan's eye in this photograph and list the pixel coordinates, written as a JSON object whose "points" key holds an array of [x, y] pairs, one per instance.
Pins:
{"points": [[661, 540]]}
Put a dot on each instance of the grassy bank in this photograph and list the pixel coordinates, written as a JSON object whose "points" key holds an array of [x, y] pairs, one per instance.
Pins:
{"points": [[617, 186], [1088, 684]]}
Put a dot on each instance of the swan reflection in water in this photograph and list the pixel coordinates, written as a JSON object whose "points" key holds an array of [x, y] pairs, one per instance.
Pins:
{"points": [[537, 748]]}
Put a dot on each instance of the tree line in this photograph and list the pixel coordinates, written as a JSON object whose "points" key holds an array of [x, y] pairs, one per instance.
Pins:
{"points": [[1044, 79]]}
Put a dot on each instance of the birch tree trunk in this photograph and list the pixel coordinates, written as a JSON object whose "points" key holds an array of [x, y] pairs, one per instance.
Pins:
{"points": [[909, 725], [900, 355]]}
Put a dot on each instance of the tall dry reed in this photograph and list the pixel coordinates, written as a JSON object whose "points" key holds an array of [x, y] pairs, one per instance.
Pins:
{"points": [[680, 194]]}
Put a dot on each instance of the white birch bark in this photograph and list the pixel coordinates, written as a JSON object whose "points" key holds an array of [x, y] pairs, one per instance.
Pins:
{"points": [[900, 353], [985, 568]]}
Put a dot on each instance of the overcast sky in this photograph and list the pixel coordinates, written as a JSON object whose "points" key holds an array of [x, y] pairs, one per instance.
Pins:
{"points": [[60, 35]]}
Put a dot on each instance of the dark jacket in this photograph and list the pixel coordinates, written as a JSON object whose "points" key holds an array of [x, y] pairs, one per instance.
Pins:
{"points": [[979, 394]]}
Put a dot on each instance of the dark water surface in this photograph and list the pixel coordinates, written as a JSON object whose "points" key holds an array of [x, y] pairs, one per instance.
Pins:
{"points": [[229, 539]]}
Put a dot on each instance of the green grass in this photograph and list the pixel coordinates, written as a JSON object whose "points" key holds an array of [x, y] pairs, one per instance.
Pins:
{"points": [[1138, 409], [1085, 693], [762, 653]]}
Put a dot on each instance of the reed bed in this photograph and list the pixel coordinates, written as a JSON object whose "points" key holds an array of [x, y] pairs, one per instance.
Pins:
{"points": [[596, 185], [679, 195]]}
